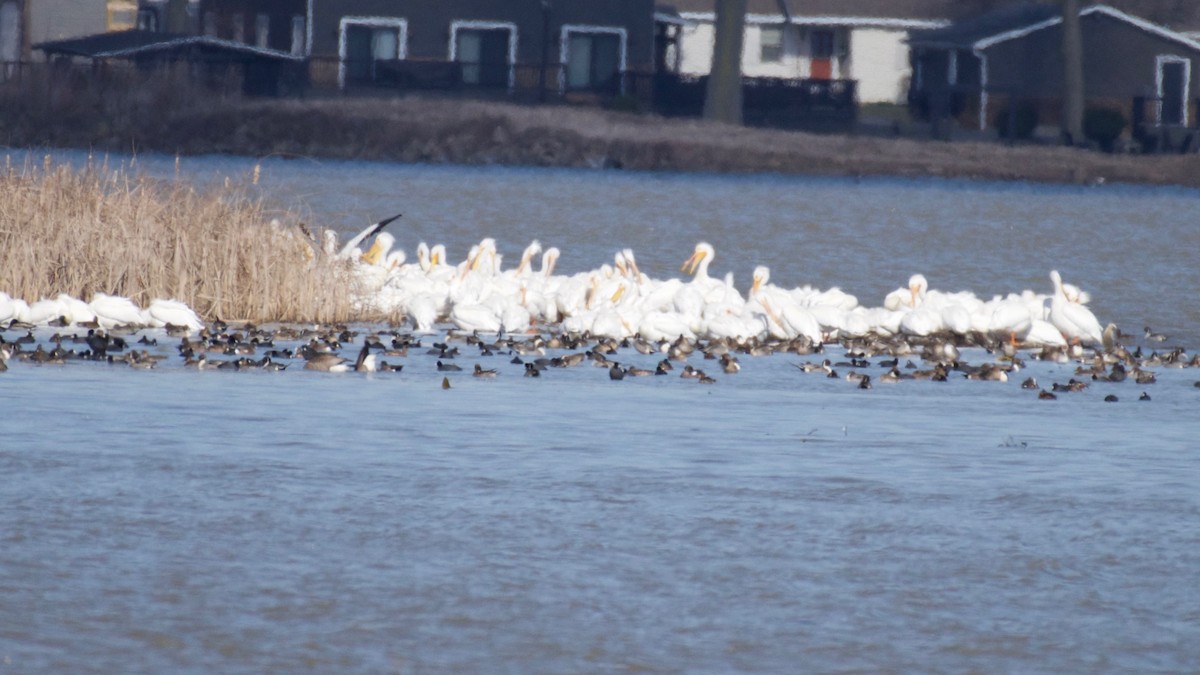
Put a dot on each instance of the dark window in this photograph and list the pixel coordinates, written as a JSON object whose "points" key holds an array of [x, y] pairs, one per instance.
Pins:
{"points": [[1172, 92], [594, 61], [483, 54], [147, 19]]}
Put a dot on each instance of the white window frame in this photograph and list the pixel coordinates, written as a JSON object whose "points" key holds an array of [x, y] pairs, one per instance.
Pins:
{"points": [[262, 30], [299, 35], [238, 27], [509, 26], [374, 22], [564, 48], [1159, 62]]}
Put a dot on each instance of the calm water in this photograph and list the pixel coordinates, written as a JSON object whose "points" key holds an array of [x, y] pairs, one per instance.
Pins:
{"points": [[175, 520]]}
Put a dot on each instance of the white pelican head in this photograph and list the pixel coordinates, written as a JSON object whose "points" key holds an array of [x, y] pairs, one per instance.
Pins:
{"points": [[917, 285], [379, 249], [704, 252], [762, 274]]}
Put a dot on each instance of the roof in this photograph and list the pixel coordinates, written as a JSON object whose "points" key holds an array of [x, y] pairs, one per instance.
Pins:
{"points": [[806, 11], [132, 43], [968, 32], [1016, 21], [1177, 15]]}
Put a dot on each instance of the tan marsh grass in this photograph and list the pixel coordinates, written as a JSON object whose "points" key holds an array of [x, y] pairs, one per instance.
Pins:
{"points": [[96, 229]]}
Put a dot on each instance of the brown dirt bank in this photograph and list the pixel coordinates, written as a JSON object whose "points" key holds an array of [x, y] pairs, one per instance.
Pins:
{"points": [[472, 132]]}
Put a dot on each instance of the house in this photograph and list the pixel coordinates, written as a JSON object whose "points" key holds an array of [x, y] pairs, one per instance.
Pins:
{"points": [[214, 62], [567, 45], [562, 45], [862, 40], [1013, 54], [24, 23]]}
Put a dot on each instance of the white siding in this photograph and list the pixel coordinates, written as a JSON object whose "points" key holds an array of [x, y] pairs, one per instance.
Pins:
{"points": [[696, 49], [789, 66], [878, 57], [879, 61]]}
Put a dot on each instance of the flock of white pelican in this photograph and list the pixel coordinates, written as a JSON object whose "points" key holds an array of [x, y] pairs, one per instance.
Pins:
{"points": [[103, 311], [619, 301], [545, 320]]}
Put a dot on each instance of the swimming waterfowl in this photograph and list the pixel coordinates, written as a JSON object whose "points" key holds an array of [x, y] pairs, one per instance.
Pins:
{"points": [[481, 372], [327, 362]]}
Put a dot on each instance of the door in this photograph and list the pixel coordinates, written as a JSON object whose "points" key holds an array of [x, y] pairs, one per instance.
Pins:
{"points": [[821, 49], [594, 61], [358, 53], [1172, 91], [483, 54], [364, 45]]}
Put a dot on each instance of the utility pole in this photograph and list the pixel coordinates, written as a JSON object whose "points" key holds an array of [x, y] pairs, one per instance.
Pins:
{"points": [[723, 99], [1073, 93]]}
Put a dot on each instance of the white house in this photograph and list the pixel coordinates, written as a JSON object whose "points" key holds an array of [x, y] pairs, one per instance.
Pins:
{"points": [[863, 40]]}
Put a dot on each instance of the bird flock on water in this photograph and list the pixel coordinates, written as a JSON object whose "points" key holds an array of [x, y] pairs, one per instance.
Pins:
{"points": [[528, 310]]}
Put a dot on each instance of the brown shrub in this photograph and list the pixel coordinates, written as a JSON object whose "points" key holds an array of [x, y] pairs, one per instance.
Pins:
{"points": [[97, 229]]}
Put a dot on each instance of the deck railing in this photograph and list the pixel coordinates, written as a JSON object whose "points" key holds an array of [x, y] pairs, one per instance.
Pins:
{"points": [[766, 101]]}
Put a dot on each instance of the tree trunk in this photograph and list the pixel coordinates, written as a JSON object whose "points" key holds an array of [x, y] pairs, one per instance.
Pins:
{"points": [[1073, 93], [723, 99]]}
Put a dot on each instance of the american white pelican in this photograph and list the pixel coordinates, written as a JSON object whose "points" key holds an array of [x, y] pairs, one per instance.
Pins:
{"points": [[8, 308], [174, 313], [348, 251], [1074, 321], [379, 249], [76, 311], [697, 266], [44, 311], [112, 311]]}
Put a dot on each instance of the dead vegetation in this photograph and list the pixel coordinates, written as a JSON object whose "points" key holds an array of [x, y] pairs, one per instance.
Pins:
{"points": [[98, 229], [161, 114]]}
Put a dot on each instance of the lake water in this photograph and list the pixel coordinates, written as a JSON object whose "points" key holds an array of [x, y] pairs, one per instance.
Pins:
{"points": [[776, 521]]}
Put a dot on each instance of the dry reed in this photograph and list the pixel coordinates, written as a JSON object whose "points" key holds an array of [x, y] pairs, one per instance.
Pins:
{"points": [[96, 229]]}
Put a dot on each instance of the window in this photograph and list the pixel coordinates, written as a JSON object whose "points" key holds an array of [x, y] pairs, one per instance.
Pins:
{"points": [[485, 52], [208, 24], [298, 35], [594, 58], [262, 31], [122, 15], [10, 31], [239, 27], [147, 19], [770, 40], [365, 42]]}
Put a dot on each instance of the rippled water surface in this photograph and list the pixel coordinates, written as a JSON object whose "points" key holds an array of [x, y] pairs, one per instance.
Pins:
{"points": [[776, 521]]}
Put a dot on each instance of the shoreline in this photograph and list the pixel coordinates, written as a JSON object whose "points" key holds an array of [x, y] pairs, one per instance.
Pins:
{"points": [[450, 131]]}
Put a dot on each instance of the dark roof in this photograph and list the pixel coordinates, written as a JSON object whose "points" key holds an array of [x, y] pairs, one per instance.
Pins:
{"points": [[1011, 22], [131, 43], [967, 32]]}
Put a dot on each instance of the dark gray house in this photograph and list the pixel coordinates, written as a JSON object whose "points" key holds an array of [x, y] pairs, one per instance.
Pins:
{"points": [[554, 45], [566, 44], [975, 67]]}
